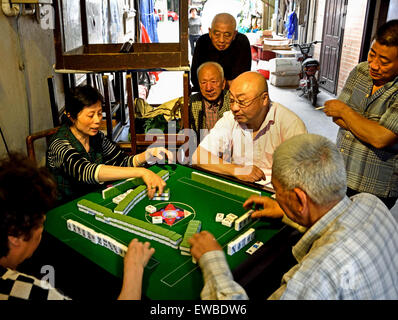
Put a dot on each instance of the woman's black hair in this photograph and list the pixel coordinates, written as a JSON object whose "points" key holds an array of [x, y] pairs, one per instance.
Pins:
{"points": [[80, 97], [27, 192]]}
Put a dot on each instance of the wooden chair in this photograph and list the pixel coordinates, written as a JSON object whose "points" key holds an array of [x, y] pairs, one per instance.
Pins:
{"points": [[35, 136], [140, 141]]}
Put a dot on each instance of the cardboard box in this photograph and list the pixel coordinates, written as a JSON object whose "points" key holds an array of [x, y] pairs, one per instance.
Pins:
{"points": [[284, 66], [284, 81], [275, 47], [276, 44], [267, 33]]}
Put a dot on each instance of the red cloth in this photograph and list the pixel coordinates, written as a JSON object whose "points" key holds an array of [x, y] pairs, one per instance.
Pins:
{"points": [[145, 39]]}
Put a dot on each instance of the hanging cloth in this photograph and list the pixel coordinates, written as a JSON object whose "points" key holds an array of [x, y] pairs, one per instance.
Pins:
{"points": [[148, 19], [292, 26]]}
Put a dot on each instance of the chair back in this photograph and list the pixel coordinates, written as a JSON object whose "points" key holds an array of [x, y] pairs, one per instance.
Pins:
{"points": [[30, 147]]}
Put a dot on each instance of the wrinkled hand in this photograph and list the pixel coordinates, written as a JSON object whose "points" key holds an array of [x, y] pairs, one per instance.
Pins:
{"points": [[138, 254], [249, 173], [203, 242], [265, 207], [335, 108], [137, 257], [157, 154], [153, 182]]}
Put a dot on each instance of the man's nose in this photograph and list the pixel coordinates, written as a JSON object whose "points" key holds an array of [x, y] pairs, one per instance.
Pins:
{"points": [[234, 107], [374, 64]]}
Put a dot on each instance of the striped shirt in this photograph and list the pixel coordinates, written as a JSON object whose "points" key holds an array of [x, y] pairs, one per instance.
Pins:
{"points": [[19, 286], [370, 169], [350, 253], [75, 169]]}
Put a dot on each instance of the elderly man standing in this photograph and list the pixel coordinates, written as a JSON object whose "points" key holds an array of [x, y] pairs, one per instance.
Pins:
{"points": [[223, 44], [208, 106], [242, 142], [367, 113], [350, 250]]}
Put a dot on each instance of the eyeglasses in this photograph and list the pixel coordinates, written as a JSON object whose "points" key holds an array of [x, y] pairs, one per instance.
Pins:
{"points": [[244, 104]]}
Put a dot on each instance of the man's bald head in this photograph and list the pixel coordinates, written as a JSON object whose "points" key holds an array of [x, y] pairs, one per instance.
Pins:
{"points": [[249, 101], [224, 18], [250, 82]]}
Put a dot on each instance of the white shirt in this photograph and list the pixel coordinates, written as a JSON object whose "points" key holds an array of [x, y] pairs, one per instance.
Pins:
{"points": [[234, 142]]}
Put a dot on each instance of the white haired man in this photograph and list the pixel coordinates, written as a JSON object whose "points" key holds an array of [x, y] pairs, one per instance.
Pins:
{"points": [[350, 248], [208, 106], [223, 44]]}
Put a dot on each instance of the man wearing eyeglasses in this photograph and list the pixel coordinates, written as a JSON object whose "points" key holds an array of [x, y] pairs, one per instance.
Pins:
{"points": [[208, 106], [242, 142], [223, 44]]}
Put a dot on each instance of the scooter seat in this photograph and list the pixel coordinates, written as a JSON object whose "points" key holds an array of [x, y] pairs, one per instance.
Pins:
{"points": [[310, 62]]}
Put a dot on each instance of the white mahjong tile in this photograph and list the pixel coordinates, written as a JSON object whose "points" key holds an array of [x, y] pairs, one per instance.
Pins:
{"points": [[219, 217], [150, 209], [157, 220]]}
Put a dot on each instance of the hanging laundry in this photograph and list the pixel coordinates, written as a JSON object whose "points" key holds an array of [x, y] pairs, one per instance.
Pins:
{"points": [[292, 26]]}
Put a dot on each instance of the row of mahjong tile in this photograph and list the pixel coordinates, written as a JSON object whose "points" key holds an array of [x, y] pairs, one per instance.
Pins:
{"points": [[194, 226], [131, 199], [162, 196], [143, 233], [127, 184], [231, 218], [106, 215], [96, 238], [223, 185], [237, 244]]}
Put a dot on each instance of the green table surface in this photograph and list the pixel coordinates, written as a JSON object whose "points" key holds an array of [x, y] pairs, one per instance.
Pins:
{"points": [[168, 275]]}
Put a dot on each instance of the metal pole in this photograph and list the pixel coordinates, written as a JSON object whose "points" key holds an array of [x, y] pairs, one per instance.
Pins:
{"points": [[4, 140]]}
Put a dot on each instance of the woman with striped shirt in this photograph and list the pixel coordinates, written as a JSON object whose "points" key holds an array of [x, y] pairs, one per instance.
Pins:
{"points": [[81, 158]]}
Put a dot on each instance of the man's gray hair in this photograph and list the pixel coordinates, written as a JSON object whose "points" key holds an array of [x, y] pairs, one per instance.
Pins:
{"points": [[312, 163], [217, 65]]}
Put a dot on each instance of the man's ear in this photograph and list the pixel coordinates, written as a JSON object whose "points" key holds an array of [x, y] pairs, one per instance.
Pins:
{"points": [[14, 241], [224, 82], [302, 201]]}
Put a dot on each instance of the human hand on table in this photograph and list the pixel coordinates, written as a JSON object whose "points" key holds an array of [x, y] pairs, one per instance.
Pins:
{"points": [[137, 257], [264, 207], [153, 182], [138, 254], [249, 173], [203, 242]]}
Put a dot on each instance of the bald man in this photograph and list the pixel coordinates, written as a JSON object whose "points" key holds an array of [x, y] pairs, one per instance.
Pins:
{"points": [[242, 142], [223, 44]]}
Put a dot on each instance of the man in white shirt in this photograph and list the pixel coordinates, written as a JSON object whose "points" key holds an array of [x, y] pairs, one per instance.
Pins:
{"points": [[242, 142]]}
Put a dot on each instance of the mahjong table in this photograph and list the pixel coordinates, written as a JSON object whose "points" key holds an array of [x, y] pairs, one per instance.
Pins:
{"points": [[170, 274]]}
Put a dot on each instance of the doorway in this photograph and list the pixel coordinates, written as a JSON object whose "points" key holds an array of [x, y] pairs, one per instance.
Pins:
{"points": [[333, 33]]}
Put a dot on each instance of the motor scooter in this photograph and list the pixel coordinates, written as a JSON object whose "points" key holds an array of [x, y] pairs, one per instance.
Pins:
{"points": [[308, 84]]}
